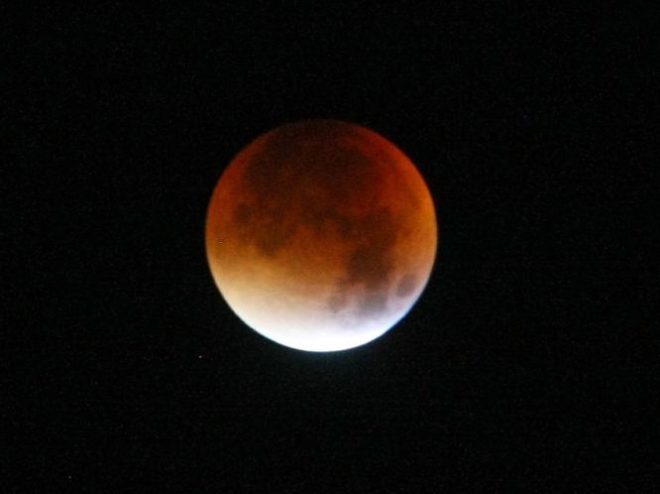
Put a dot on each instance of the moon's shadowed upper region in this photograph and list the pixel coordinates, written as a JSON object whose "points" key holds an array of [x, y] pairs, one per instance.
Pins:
{"points": [[328, 235]]}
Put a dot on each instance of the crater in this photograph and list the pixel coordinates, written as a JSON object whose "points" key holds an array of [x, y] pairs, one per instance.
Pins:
{"points": [[373, 304], [406, 285]]}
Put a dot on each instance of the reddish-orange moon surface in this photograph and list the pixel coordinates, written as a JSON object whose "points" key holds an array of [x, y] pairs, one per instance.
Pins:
{"points": [[321, 235]]}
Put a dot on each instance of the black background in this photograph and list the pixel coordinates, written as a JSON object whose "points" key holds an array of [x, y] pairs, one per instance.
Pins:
{"points": [[526, 363]]}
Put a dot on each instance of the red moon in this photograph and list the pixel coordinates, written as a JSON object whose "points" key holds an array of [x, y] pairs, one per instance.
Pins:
{"points": [[321, 235]]}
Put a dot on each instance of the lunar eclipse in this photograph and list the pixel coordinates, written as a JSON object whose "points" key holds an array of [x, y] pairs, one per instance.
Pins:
{"points": [[321, 235]]}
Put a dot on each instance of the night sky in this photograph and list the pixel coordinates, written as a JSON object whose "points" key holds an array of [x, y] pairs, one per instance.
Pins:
{"points": [[527, 362]]}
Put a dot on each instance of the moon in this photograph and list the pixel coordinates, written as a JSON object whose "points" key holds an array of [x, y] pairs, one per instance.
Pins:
{"points": [[321, 235]]}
